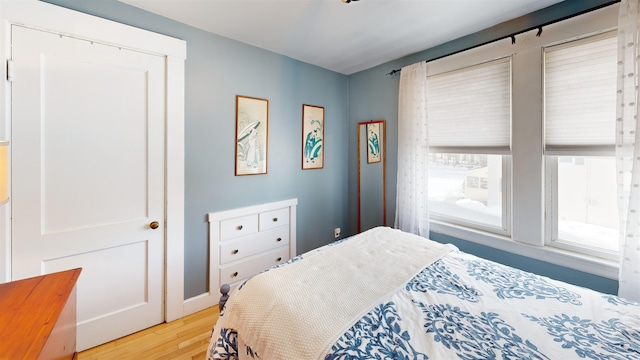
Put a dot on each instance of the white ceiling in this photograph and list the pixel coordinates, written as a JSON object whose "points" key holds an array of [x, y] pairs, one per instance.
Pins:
{"points": [[342, 37]]}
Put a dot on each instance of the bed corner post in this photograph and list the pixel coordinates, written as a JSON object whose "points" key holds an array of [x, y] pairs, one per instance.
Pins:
{"points": [[224, 290]]}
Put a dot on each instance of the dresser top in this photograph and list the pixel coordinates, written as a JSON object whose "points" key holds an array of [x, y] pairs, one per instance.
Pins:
{"points": [[30, 308]]}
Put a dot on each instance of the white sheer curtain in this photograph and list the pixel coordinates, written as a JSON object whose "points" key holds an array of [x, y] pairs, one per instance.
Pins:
{"points": [[412, 210], [628, 150]]}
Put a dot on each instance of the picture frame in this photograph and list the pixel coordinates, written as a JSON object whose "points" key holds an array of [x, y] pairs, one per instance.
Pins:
{"points": [[252, 120], [312, 137], [373, 143]]}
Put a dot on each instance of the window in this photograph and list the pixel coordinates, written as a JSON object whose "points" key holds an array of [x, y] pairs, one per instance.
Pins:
{"points": [[469, 114], [580, 111], [472, 182], [545, 183], [586, 212], [467, 191]]}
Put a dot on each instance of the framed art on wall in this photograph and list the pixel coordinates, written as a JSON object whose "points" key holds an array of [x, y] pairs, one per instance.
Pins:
{"points": [[373, 143], [252, 117], [312, 137]]}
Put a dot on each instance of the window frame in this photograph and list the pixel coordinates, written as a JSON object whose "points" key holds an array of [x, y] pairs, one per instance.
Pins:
{"points": [[551, 166], [505, 227], [527, 166]]}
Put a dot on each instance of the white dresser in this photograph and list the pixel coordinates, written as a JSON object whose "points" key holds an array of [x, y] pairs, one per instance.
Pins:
{"points": [[247, 240]]}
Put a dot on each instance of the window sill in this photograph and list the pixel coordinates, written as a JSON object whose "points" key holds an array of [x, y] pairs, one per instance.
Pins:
{"points": [[585, 263]]}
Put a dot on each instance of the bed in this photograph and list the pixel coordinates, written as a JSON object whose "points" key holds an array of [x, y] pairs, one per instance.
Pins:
{"points": [[387, 294]]}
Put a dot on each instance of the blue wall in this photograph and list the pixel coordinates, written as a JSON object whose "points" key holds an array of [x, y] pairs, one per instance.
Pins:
{"points": [[374, 95], [528, 264], [218, 69]]}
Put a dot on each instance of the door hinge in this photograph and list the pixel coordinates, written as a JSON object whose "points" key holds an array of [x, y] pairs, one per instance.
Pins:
{"points": [[10, 70]]}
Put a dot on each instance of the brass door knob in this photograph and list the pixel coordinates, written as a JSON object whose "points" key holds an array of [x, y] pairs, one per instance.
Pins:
{"points": [[154, 225]]}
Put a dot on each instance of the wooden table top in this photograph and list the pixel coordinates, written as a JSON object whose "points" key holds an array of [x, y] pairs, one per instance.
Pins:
{"points": [[29, 309]]}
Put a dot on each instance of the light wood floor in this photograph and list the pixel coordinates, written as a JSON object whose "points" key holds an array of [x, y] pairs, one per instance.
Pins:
{"points": [[185, 338]]}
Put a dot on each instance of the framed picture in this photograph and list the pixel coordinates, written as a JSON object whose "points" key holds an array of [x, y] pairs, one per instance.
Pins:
{"points": [[373, 143], [252, 119], [312, 137]]}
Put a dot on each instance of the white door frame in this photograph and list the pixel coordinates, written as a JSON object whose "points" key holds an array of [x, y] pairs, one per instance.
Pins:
{"points": [[43, 16]]}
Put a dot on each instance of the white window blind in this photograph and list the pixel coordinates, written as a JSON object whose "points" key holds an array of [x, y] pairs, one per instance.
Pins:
{"points": [[469, 109], [580, 96]]}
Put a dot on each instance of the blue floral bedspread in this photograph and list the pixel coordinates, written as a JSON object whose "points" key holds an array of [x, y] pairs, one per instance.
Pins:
{"points": [[465, 307]]}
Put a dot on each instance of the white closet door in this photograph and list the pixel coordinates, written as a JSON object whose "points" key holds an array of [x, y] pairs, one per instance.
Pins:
{"points": [[88, 176]]}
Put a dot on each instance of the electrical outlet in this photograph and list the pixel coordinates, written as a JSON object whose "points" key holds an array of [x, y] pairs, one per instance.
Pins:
{"points": [[336, 233]]}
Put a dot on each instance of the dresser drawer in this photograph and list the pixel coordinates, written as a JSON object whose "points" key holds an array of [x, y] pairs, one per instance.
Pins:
{"points": [[236, 272], [240, 226], [246, 241], [273, 219], [240, 248]]}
